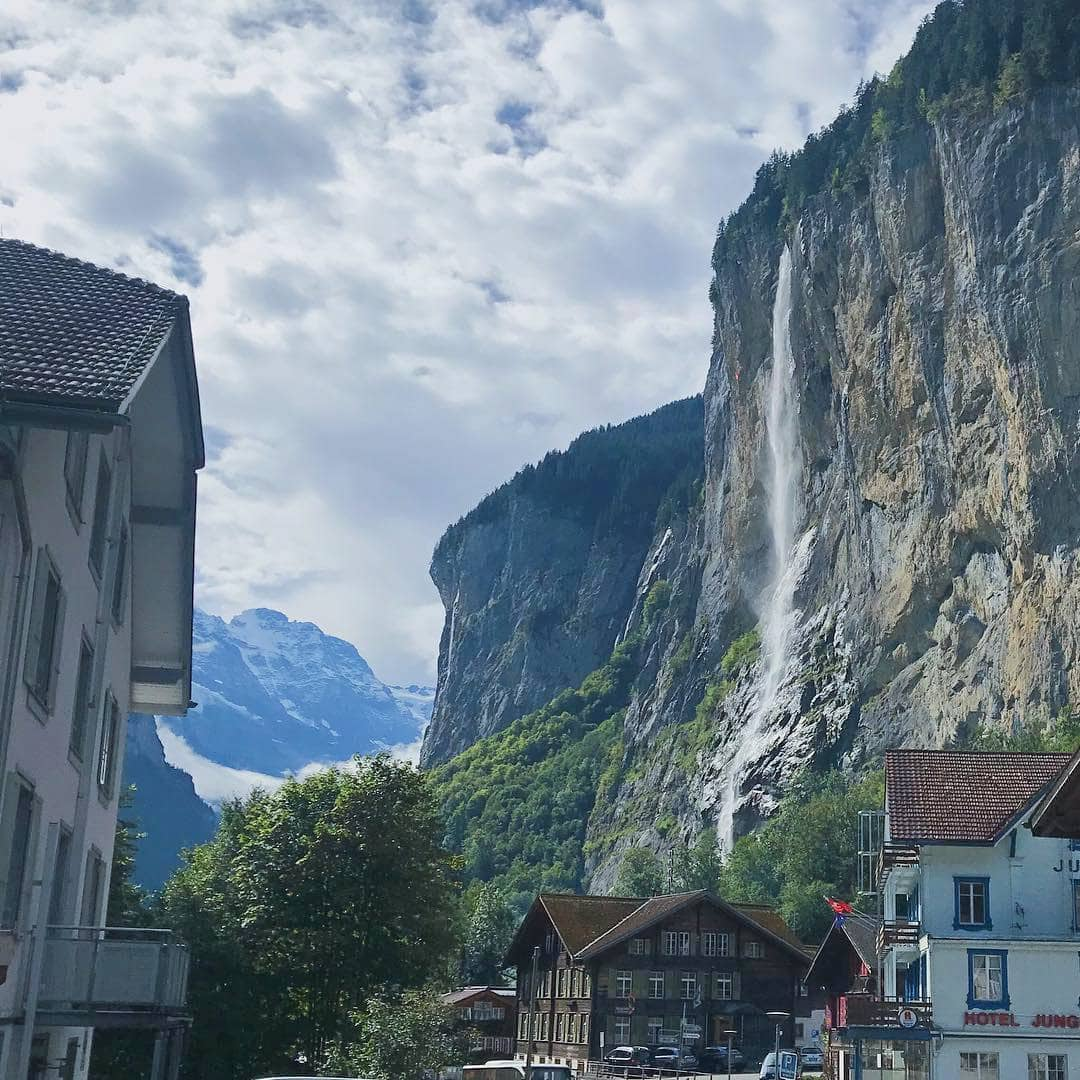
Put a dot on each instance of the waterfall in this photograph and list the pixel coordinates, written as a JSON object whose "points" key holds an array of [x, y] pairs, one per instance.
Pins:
{"points": [[788, 558]]}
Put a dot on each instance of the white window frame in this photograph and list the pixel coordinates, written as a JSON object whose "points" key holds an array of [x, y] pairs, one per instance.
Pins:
{"points": [[688, 985], [624, 983], [715, 943], [44, 651], [1048, 1066], [654, 1029], [981, 1065], [622, 1029], [753, 949], [725, 986], [639, 946], [657, 979]]}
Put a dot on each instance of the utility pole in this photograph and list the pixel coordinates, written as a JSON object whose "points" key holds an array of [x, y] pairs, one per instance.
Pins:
{"points": [[671, 871], [533, 1018]]}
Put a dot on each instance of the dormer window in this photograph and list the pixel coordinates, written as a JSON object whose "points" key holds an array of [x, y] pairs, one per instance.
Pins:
{"points": [[972, 904]]}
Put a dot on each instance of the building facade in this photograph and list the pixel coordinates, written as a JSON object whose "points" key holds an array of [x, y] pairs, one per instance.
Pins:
{"points": [[490, 1013], [664, 971], [100, 438], [975, 969]]}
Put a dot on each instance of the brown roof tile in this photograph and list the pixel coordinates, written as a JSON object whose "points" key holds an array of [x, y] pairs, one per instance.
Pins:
{"points": [[580, 919], [959, 796]]}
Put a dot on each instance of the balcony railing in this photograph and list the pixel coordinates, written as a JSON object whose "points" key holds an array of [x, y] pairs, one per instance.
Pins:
{"points": [[900, 933], [140, 974], [866, 1010], [895, 855]]}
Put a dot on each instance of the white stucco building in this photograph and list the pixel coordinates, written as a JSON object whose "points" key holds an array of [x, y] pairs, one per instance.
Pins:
{"points": [[974, 971], [100, 440]]}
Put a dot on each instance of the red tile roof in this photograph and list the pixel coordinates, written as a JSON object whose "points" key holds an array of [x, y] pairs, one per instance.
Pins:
{"points": [[962, 796]]}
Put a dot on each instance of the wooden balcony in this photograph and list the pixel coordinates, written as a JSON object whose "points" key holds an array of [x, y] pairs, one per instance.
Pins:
{"points": [[895, 855], [866, 1010], [898, 934]]}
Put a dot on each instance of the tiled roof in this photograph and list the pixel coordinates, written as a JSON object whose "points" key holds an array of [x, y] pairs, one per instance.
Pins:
{"points": [[72, 333], [957, 796], [580, 919], [468, 993], [1059, 812], [773, 922]]}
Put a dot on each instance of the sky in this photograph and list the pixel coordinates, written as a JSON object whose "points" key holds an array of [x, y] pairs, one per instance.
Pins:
{"points": [[424, 242]]}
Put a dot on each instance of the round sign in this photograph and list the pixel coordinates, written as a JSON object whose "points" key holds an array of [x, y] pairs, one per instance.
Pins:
{"points": [[907, 1018]]}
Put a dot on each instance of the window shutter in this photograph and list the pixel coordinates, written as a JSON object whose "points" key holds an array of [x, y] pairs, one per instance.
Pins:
{"points": [[58, 649], [736, 985], [37, 610]]}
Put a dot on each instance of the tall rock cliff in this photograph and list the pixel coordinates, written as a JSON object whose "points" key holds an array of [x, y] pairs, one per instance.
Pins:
{"points": [[539, 579], [922, 358]]}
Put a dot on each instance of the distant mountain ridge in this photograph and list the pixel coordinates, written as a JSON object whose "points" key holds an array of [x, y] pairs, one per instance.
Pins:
{"points": [[275, 696]]}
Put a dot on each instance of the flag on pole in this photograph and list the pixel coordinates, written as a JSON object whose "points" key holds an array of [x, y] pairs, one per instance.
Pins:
{"points": [[841, 907]]}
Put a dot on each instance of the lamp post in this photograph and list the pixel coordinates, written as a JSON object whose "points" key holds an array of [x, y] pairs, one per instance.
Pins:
{"points": [[779, 1018], [730, 1033], [533, 1018]]}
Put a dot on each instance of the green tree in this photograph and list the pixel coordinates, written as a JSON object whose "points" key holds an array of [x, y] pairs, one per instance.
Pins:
{"points": [[700, 865], [805, 851], [490, 924], [1059, 733], [309, 901], [640, 874], [400, 1037]]}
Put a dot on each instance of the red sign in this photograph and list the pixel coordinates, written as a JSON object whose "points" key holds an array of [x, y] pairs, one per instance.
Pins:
{"points": [[1003, 1019]]}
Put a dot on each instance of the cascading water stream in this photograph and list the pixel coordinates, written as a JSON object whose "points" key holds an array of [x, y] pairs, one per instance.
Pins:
{"points": [[788, 558]]}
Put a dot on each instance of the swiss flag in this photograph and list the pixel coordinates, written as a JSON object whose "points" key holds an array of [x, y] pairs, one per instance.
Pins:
{"points": [[841, 907]]}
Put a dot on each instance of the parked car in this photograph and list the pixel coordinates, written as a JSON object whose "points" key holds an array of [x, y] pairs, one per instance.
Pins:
{"points": [[669, 1057], [628, 1055], [714, 1058], [812, 1059]]}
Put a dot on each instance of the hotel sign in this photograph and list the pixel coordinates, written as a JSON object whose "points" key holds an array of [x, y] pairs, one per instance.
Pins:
{"points": [[1008, 1020]]}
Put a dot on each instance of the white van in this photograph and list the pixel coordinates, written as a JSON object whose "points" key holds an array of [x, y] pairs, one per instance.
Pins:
{"points": [[515, 1070]]}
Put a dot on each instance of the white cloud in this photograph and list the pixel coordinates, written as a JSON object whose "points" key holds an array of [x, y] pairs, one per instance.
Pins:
{"points": [[216, 783], [421, 249]]}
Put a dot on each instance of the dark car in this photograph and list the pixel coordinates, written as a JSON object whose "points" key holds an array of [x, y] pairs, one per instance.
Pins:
{"points": [[714, 1059], [669, 1057]]}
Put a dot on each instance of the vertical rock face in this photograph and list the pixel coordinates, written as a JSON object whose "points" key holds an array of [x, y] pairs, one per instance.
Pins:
{"points": [[539, 579], [935, 341]]}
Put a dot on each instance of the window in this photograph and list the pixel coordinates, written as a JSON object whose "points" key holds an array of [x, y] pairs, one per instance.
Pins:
{"points": [[714, 944], [972, 907], [624, 983], [688, 983], [60, 875], [549, 943], [654, 1028], [980, 1065], [545, 984], [100, 525], [544, 1024], [110, 730], [656, 984], [622, 1029], [81, 711], [560, 983], [1048, 1067], [586, 984], [676, 943], [639, 946], [20, 850], [1076, 904], [523, 1025], [584, 1029], [560, 1032], [725, 986], [119, 590], [753, 949], [575, 982], [75, 468], [93, 889], [46, 626], [988, 979]]}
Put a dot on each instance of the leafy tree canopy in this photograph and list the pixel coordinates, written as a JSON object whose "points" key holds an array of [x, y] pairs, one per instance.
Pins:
{"points": [[641, 873], [309, 901]]}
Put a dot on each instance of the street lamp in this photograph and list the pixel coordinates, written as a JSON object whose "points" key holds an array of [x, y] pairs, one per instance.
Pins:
{"points": [[779, 1018], [730, 1033]]}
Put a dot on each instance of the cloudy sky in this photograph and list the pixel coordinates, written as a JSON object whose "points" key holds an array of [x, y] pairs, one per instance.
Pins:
{"points": [[424, 240]]}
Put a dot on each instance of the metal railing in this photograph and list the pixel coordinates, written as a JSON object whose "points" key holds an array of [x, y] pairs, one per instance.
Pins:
{"points": [[899, 933], [93, 968], [867, 1010]]}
